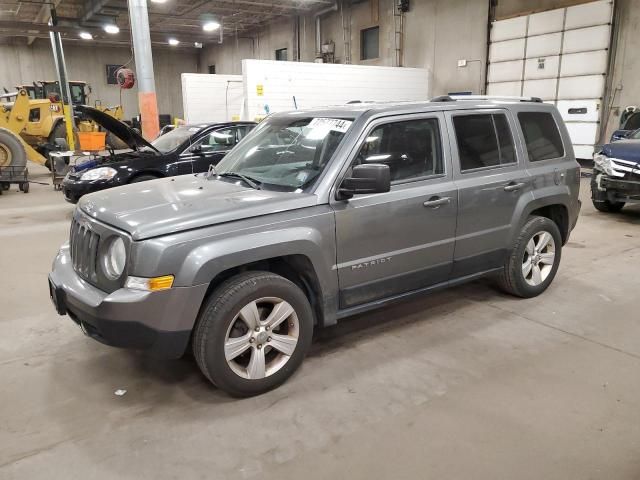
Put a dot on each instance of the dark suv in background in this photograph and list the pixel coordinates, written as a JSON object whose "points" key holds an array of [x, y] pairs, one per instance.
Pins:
{"points": [[317, 215]]}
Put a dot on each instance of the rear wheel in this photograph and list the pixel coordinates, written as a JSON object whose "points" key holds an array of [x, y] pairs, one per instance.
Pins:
{"points": [[12, 154], [534, 259], [253, 333]]}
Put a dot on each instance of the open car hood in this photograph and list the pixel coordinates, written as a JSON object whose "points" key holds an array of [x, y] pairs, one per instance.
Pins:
{"points": [[125, 133]]}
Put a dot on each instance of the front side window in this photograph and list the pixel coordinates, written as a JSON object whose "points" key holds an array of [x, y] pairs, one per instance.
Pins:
{"points": [[541, 136], [285, 153], [411, 149], [218, 141], [484, 140]]}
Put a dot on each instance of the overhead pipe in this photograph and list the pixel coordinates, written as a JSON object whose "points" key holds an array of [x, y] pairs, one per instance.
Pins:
{"points": [[318, 15]]}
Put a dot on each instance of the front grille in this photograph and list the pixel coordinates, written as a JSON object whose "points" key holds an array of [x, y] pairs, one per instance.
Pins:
{"points": [[83, 243]]}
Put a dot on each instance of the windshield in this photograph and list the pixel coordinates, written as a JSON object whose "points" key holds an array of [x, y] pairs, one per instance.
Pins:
{"points": [[176, 137], [635, 135], [285, 153]]}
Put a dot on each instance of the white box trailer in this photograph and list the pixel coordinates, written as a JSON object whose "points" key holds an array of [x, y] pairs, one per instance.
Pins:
{"points": [[274, 86], [212, 98]]}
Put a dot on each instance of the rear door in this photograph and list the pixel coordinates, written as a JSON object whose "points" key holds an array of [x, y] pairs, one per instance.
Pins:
{"points": [[491, 180], [401, 240]]}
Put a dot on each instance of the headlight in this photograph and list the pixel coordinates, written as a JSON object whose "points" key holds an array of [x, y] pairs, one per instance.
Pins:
{"points": [[102, 173], [115, 259], [603, 163]]}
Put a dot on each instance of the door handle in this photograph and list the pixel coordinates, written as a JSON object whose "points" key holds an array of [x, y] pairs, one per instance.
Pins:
{"points": [[435, 202], [514, 187]]}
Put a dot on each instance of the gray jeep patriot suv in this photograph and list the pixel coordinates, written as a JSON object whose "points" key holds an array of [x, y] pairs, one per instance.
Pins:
{"points": [[317, 215]]}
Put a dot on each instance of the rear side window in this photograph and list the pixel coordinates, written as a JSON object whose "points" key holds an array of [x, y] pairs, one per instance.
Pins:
{"points": [[541, 136], [484, 140]]}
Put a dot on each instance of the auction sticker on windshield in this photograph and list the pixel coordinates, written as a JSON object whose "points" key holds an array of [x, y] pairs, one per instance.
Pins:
{"points": [[335, 124]]}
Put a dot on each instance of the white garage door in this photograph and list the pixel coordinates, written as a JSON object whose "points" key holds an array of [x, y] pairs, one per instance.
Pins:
{"points": [[560, 56]]}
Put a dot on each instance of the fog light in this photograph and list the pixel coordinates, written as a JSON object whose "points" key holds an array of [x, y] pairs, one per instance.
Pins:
{"points": [[150, 284]]}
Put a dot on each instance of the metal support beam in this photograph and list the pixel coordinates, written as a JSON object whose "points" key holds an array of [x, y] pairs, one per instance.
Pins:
{"points": [[147, 101], [63, 81]]}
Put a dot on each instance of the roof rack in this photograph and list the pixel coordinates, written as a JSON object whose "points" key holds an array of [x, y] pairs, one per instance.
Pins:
{"points": [[454, 98]]}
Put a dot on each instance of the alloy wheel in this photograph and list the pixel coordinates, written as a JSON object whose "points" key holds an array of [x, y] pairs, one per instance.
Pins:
{"points": [[261, 338], [538, 259]]}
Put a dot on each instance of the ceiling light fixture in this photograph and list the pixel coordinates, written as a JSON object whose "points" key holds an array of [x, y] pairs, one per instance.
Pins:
{"points": [[197, 44], [86, 36], [174, 42], [112, 29], [210, 26], [158, 1]]}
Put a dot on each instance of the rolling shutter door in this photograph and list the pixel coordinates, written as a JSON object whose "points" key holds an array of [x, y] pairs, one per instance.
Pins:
{"points": [[560, 56]]}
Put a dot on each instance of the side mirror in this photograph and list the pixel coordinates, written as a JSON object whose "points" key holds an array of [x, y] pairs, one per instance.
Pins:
{"points": [[366, 179], [197, 149]]}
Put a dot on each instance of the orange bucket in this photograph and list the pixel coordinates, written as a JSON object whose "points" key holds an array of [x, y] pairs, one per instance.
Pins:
{"points": [[92, 141]]}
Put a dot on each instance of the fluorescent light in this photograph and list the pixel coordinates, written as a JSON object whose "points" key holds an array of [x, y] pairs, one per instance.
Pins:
{"points": [[197, 44], [210, 26], [112, 29], [158, 1], [174, 41], [86, 36]]}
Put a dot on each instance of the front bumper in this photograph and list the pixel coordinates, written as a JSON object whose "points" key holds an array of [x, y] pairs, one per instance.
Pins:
{"points": [[157, 322], [73, 190], [616, 189]]}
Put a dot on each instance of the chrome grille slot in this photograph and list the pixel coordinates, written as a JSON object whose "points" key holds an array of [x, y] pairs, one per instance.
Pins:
{"points": [[84, 250]]}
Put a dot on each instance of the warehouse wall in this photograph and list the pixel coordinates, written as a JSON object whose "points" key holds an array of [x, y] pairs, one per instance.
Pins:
{"points": [[23, 64], [437, 33], [625, 79]]}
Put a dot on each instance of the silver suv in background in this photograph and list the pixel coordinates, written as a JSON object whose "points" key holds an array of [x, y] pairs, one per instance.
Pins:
{"points": [[315, 216]]}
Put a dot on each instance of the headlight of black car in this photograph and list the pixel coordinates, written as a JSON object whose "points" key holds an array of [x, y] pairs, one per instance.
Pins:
{"points": [[102, 173]]}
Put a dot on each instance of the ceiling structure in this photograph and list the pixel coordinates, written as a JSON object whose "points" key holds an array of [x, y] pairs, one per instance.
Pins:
{"points": [[26, 20]]}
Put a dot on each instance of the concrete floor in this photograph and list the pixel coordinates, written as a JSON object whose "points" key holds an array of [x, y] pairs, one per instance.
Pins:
{"points": [[467, 383]]}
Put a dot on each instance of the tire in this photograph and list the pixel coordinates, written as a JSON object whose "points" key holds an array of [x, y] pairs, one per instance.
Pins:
{"points": [[12, 154], [601, 201], [519, 275], [24, 187], [143, 178], [221, 321]]}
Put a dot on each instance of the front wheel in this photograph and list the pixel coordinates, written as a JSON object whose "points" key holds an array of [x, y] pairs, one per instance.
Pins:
{"points": [[534, 259], [253, 333], [143, 178]]}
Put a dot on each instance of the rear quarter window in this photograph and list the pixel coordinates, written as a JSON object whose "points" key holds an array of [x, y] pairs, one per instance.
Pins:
{"points": [[541, 136]]}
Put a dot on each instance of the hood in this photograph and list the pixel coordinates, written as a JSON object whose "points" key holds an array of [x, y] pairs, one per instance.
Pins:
{"points": [[624, 150], [121, 130], [171, 205]]}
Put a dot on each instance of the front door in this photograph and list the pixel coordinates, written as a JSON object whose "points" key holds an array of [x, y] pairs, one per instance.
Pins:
{"points": [[402, 240], [491, 181]]}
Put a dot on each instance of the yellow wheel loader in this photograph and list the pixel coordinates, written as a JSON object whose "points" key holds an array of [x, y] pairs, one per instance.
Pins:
{"points": [[80, 93], [21, 121]]}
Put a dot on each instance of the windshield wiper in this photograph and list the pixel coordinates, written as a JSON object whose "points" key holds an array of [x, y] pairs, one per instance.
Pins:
{"points": [[252, 182]]}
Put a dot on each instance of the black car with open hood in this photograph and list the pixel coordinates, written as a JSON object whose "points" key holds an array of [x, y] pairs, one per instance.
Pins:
{"points": [[186, 149]]}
